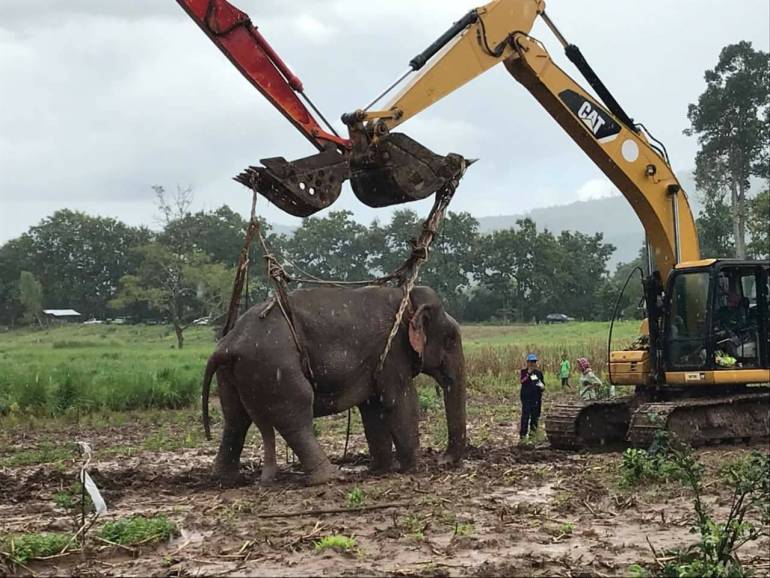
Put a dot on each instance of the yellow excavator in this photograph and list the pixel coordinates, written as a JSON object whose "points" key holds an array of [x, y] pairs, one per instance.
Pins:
{"points": [[702, 368]]}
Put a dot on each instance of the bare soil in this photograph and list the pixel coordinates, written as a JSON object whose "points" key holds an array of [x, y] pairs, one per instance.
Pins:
{"points": [[505, 511]]}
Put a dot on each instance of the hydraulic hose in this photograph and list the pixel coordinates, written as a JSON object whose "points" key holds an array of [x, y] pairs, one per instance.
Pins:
{"points": [[614, 316]]}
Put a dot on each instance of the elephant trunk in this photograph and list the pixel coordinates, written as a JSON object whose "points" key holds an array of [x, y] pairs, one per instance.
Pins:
{"points": [[454, 386]]}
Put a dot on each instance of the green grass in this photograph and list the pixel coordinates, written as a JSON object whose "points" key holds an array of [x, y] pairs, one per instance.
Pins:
{"points": [[356, 497], [475, 336], [462, 529], [86, 368], [78, 370], [494, 355], [335, 542], [138, 530], [45, 454], [22, 548]]}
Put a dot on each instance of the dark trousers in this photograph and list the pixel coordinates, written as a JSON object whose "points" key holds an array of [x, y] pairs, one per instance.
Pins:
{"points": [[564, 381], [530, 414]]}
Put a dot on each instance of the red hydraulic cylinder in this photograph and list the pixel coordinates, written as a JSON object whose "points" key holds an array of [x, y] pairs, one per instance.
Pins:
{"points": [[232, 31]]}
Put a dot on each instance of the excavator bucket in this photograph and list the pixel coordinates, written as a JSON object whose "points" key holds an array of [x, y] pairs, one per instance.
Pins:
{"points": [[397, 169], [300, 187]]}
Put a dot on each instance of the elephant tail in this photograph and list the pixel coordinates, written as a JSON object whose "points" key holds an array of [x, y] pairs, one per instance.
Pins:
{"points": [[215, 361]]}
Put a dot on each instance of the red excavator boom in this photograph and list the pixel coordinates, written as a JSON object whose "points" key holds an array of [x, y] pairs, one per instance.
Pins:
{"points": [[299, 187], [395, 171], [234, 34]]}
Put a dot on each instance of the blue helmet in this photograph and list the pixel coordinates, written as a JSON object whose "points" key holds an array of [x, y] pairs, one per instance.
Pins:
{"points": [[531, 357]]}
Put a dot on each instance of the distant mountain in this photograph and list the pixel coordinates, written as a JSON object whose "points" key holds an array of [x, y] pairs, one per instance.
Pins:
{"points": [[612, 216]]}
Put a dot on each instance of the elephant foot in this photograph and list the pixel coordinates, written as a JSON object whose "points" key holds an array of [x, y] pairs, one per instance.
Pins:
{"points": [[450, 458], [322, 474], [407, 466], [269, 473], [384, 466], [226, 475]]}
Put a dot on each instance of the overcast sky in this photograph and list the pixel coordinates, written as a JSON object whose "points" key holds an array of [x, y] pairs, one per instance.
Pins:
{"points": [[101, 99]]}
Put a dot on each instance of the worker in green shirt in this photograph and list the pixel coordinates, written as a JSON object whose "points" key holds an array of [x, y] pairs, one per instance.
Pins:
{"points": [[564, 370]]}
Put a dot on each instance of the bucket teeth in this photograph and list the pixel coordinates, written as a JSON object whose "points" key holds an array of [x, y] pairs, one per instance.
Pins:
{"points": [[300, 187], [396, 169]]}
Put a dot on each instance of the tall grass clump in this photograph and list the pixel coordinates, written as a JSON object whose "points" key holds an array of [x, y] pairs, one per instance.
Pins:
{"points": [[499, 365], [79, 369]]}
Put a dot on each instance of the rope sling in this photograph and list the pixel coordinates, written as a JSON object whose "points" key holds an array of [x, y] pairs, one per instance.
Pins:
{"points": [[404, 276]]}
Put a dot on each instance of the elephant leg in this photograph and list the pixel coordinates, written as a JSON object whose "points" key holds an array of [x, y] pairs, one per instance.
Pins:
{"points": [[270, 466], [378, 436], [404, 419], [293, 418], [237, 423]]}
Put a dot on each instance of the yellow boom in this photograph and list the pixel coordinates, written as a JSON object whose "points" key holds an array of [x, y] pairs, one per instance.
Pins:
{"points": [[499, 32]]}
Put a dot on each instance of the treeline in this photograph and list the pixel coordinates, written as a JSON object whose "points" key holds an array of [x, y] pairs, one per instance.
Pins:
{"points": [[104, 268]]}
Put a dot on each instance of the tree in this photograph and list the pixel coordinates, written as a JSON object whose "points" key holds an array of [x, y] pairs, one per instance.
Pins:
{"points": [[31, 297], [390, 244], [518, 265], [179, 287], [331, 248], [218, 234], [629, 306], [451, 260], [759, 225], [174, 207], [732, 123], [15, 256], [78, 259], [715, 228], [582, 275]]}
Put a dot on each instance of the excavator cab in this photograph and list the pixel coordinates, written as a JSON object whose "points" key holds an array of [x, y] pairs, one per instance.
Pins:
{"points": [[717, 323]]}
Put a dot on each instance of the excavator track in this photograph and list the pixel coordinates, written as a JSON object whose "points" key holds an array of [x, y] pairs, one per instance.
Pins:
{"points": [[701, 421], [588, 424], [698, 421]]}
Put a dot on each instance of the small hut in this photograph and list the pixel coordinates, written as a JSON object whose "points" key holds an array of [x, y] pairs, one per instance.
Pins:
{"points": [[61, 315]]}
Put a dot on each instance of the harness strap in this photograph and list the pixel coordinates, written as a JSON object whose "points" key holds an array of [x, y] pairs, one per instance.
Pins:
{"points": [[406, 275]]}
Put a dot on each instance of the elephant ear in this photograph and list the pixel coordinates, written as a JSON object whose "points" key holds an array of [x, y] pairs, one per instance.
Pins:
{"points": [[417, 327]]}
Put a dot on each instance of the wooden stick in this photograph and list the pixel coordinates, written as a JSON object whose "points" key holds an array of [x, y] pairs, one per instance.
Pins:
{"points": [[111, 543], [335, 510], [654, 553]]}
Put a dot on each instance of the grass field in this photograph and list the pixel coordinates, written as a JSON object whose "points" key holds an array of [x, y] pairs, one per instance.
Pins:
{"points": [[78, 368], [508, 510]]}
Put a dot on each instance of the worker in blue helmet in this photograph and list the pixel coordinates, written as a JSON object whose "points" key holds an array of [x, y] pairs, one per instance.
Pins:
{"points": [[532, 386]]}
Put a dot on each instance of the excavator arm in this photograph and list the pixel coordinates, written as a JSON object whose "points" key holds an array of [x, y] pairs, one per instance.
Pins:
{"points": [[639, 171], [234, 34], [499, 32], [304, 186]]}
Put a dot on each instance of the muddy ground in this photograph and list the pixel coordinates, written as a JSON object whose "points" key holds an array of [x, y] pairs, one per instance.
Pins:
{"points": [[505, 511]]}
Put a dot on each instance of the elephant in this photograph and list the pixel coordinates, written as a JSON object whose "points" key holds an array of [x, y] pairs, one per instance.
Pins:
{"points": [[344, 332]]}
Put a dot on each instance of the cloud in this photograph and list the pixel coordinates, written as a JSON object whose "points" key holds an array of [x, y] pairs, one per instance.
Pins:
{"points": [[596, 189], [102, 99], [313, 30]]}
